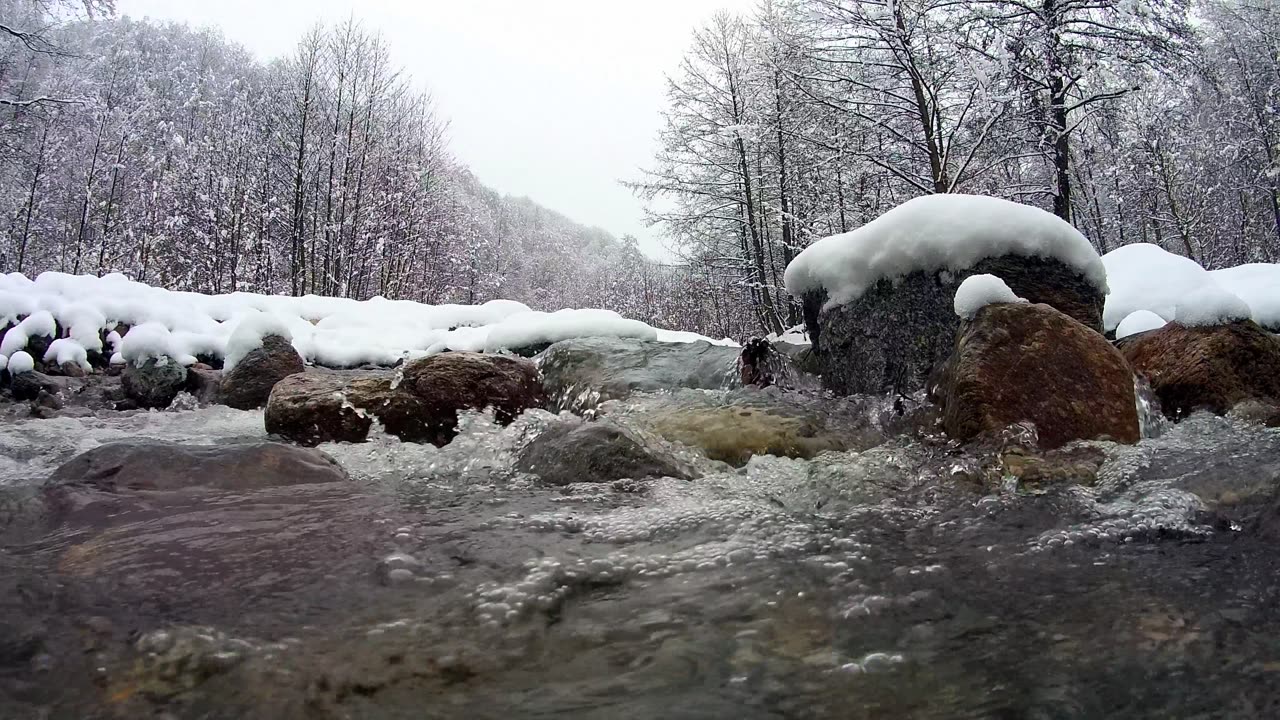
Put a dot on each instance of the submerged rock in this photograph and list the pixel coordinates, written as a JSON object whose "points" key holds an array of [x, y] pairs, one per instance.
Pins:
{"points": [[893, 336], [1207, 368], [1025, 363], [248, 384], [155, 383], [581, 373], [155, 465], [600, 451], [419, 403]]}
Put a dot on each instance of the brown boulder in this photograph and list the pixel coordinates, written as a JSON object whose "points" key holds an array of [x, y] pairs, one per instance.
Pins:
{"points": [[248, 384], [1207, 368], [1031, 363], [432, 390], [320, 405], [419, 403]]}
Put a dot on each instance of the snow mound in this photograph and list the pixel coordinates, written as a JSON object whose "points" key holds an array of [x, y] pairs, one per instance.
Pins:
{"points": [[792, 336], [1147, 277], [979, 291], [67, 350], [335, 332], [1258, 284], [938, 232], [249, 333], [21, 362], [1138, 322]]}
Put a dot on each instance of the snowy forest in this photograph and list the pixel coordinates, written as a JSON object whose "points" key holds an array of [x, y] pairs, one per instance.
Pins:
{"points": [[173, 155]]}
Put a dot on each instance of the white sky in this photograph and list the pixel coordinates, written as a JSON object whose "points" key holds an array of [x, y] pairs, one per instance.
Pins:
{"points": [[554, 99]]}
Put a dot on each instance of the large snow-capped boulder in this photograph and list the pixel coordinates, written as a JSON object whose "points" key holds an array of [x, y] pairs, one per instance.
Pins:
{"points": [[878, 301], [578, 374], [1144, 277], [1030, 363], [247, 384], [418, 403], [154, 382], [1210, 368], [601, 451]]}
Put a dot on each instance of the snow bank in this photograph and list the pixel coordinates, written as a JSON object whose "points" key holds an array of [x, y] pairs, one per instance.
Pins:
{"points": [[792, 336], [1258, 284], [335, 332], [684, 336], [938, 232], [1137, 322], [1147, 277], [21, 362], [535, 328], [979, 291]]}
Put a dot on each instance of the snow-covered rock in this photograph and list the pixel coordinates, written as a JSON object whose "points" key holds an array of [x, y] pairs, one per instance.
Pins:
{"points": [[334, 332], [979, 291], [67, 350], [938, 232]]}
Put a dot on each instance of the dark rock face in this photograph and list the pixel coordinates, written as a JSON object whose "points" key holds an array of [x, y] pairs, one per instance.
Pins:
{"points": [[1207, 368], [248, 384], [580, 373], [419, 403], [1030, 363], [599, 451], [151, 465], [893, 336], [154, 385], [28, 385]]}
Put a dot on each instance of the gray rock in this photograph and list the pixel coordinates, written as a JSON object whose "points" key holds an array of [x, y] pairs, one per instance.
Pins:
{"points": [[29, 385], [579, 374], [248, 384], [154, 465], [205, 384], [155, 383], [898, 332], [602, 451]]}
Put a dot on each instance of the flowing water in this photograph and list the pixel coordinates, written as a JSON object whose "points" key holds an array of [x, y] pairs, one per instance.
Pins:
{"points": [[911, 579]]}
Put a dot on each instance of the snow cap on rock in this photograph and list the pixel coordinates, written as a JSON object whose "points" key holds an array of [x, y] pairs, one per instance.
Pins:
{"points": [[979, 291]]}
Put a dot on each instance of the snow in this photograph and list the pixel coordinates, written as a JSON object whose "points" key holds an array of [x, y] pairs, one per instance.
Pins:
{"points": [[1137, 322], [67, 350], [1258, 284], [1147, 277], [979, 291], [335, 332], [792, 336], [683, 336], [21, 362], [937, 232], [534, 328]]}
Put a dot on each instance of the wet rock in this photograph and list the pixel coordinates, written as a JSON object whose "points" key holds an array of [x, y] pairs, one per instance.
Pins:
{"points": [[153, 465], [67, 369], [180, 659], [248, 384], [579, 374], [418, 403], [1207, 368], [205, 384], [431, 391], [1259, 412], [1029, 363], [1077, 465], [29, 385], [155, 383], [735, 434], [19, 642], [893, 336], [764, 364], [601, 451], [320, 405]]}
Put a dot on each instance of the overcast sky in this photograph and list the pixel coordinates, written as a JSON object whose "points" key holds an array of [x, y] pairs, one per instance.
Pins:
{"points": [[554, 99]]}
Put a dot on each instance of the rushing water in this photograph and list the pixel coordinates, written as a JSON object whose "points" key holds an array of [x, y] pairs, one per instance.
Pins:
{"points": [[911, 579]]}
